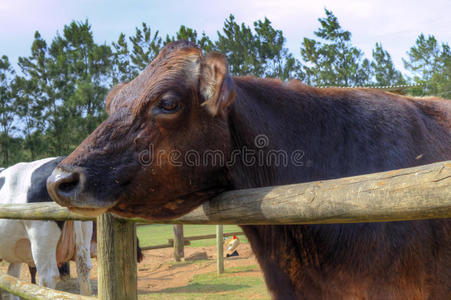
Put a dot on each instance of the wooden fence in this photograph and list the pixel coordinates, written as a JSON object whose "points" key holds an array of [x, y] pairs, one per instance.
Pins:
{"points": [[187, 240], [409, 194]]}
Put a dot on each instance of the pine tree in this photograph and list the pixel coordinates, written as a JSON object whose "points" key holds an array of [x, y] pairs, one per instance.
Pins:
{"points": [[68, 83], [189, 34], [33, 94], [260, 54], [277, 61], [145, 47], [7, 108], [238, 44], [87, 68], [429, 63], [333, 60], [385, 73], [443, 79], [30, 113], [122, 70]]}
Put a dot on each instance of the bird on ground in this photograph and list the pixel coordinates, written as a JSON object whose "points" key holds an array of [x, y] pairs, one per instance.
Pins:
{"points": [[231, 245]]}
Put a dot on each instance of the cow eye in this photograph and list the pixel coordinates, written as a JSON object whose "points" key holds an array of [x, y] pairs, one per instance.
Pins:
{"points": [[169, 105]]}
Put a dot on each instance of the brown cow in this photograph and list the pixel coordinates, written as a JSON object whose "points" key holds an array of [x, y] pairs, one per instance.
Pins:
{"points": [[148, 159]]}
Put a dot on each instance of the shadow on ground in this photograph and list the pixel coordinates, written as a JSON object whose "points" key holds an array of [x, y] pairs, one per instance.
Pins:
{"points": [[71, 285]]}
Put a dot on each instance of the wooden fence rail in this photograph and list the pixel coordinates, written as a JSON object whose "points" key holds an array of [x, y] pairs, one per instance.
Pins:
{"points": [[39, 211], [35, 292], [408, 194], [187, 240], [211, 236]]}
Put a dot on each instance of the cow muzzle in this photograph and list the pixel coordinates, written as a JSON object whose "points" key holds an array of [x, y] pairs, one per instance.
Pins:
{"points": [[68, 188]]}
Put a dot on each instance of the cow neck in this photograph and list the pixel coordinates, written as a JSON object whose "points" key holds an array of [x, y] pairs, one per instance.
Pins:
{"points": [[277, 116], [296, 118]]}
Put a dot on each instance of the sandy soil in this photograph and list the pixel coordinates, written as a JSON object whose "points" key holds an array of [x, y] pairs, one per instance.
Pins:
{"points": [[158, 271]]}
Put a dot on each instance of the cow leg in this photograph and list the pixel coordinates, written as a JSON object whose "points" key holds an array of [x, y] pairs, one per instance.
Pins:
{"points": [[83, 235], [44, 236], [64, 271], [139, 253], [32, 274], [13, 270]]}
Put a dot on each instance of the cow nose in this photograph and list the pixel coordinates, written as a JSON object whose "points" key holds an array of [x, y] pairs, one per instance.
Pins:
{"points": [[65, 186]]}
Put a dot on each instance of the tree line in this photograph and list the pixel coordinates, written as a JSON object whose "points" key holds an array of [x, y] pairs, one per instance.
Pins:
{"points": [[55, 96]]}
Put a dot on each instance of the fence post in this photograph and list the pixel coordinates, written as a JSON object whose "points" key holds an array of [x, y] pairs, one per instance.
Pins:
{"points": [[220, 248], [116, 258], [179, 251]]}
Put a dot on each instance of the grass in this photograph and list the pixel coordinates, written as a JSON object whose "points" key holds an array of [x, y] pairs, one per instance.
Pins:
{"points": [[235, 283], [156, 234]]}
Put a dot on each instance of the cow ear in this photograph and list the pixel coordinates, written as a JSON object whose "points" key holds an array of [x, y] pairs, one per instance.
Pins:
{"points": [[216, 84]]}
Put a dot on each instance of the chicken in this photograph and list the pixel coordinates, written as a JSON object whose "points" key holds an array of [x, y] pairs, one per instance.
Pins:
{"points": [[231, 245]]}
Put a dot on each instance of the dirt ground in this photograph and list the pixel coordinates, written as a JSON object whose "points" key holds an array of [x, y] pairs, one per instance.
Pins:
{"points": [[158, 271]]}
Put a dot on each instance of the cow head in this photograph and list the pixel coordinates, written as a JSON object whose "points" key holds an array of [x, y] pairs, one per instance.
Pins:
{"points": [[141, 161]]}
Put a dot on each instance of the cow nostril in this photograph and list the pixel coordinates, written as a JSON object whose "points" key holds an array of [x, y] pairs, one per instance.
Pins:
{"points": [[70, 183], [66, 185]]}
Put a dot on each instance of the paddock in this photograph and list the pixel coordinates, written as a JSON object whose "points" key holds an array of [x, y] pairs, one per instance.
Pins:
{"points": [[408, 194]]}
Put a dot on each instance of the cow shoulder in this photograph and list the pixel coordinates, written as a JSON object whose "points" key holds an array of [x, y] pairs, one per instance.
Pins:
{"points": [[26, 182], [37, 191]]}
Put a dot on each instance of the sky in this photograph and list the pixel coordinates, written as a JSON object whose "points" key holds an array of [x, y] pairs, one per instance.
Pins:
{"points": [[395, 24]]}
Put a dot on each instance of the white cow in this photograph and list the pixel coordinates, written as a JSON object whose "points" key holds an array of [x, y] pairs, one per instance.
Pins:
{"points": [[39, 243]]}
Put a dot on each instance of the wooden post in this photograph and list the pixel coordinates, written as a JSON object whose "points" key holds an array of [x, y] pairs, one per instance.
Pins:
{"points": [[220, 248], [179, 251], [116, 260]]}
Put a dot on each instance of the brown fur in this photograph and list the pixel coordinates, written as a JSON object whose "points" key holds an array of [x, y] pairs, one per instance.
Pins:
{"points": [[341, 132]]}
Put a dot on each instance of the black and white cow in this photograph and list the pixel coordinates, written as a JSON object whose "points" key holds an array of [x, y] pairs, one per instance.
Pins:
{"points": [[43, 244]]}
